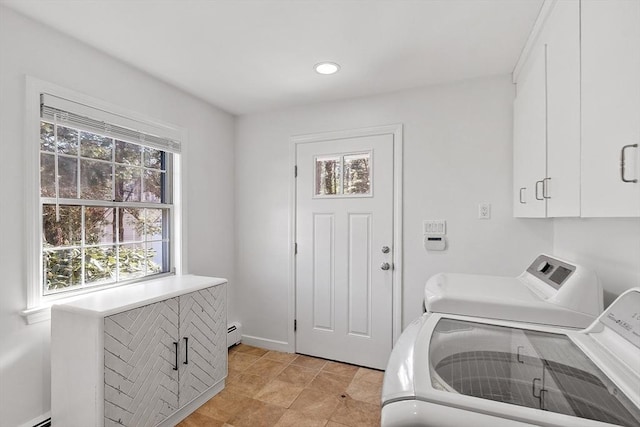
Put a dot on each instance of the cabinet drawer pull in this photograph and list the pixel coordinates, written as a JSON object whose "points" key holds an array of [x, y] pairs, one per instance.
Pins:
{"points": [[622, 162], [175, 366], [537, 186], [545, 188], [186, 350], [521, 190]]}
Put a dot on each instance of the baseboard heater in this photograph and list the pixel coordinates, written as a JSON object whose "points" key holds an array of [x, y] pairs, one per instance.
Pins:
{"points": [[234, 334]]}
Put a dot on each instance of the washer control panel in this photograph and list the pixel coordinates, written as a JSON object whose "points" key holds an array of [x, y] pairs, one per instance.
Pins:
{"points": [[623, 316], [553, 272]]}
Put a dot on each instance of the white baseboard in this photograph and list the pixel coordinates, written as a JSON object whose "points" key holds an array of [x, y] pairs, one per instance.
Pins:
{"points": [[190, 407], [268, 344], [37, 420]]}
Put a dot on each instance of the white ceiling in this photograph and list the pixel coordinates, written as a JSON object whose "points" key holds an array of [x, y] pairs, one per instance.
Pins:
{"points": [[253, 55]]}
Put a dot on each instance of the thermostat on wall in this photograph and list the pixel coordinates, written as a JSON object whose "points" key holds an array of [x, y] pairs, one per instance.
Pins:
{"points": [[435, 242]]}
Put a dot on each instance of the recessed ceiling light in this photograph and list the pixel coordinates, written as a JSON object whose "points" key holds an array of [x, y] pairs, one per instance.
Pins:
{"points": [[327, 68]]}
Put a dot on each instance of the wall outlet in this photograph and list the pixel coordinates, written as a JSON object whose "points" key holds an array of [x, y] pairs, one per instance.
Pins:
{"points": [[484, 211]]}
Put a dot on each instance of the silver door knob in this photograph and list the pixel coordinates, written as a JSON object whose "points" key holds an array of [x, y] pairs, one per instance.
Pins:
{"points": [[385, 249], [385, 266]]}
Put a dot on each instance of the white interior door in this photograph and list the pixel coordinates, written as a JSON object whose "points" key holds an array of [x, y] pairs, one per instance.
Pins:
{"points": [[344, 220]]}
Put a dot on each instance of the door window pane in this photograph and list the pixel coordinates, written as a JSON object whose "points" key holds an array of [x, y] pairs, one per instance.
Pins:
{"points": [[356, 174], [327, 176]]}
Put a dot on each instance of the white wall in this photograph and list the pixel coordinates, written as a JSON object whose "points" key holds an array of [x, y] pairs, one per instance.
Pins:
{"points": [[609, 246], [30, 48], [457, 153]]}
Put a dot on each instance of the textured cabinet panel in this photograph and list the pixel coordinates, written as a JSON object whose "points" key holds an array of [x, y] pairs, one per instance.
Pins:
{"points": [[203, 357], [140, 383]]}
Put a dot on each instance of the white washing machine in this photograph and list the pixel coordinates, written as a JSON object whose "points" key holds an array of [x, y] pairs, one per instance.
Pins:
{"points": [[550, 291], [450, 370]]}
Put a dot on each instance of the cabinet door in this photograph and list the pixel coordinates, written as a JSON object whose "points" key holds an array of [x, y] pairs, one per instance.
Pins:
{"points": [[203, 346], [529, 135], [610, 107], [140, 382], [562, 35]]}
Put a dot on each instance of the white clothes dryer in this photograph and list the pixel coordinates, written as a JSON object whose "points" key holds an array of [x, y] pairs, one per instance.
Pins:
{"points": [[550, 291], [450, 370]]}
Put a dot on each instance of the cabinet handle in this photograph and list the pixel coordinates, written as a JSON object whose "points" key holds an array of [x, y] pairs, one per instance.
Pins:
{"points": [[539, 182], [521, 190], [186, 350], [545, 188], [622, 161], [175, 366], [533, 388], [518, 354]]}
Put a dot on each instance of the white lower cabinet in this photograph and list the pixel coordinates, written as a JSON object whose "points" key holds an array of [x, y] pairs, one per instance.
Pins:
{"points": [[145, 364]]}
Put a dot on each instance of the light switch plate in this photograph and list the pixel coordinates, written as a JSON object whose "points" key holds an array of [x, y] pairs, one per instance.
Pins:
{"points": [[434, 226]]}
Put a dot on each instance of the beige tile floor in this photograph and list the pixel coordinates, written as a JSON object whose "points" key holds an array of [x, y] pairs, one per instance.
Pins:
{"points": [[269, 388]]}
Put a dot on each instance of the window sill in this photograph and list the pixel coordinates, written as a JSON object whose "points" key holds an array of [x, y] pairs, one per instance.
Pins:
{"points": [[36, 314]]}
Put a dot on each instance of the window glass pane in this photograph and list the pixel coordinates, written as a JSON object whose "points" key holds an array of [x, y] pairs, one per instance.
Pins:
{"points": [[131, 224], [127, 153], [47, 175], [155, 257], [100, 265], [67, 140], [47, 139], [98, 225], [132, 261], [65, 232], [152, 186], [67, 177], [96, 180], [153, 158], [95, 146], [128, 181], [153, 222], [327, 176], [356, 174], [62, 268]]}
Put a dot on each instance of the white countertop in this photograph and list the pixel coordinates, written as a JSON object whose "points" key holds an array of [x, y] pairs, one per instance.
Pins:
{"points": [[123, 298]]}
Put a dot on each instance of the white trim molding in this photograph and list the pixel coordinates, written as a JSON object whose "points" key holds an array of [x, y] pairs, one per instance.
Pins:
{"points": [[396, 130], [38, 306]]}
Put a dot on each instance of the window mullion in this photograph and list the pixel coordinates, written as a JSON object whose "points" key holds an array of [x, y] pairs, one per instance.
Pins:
{"points": [[82, 243]]}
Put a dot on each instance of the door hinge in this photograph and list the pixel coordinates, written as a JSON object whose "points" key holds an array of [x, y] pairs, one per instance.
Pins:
{"points": [[295, 325], [295, 171], [295, 248]]}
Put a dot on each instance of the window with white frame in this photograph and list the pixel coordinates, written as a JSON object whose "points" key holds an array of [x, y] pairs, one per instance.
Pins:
{"points": [[106, 198]]}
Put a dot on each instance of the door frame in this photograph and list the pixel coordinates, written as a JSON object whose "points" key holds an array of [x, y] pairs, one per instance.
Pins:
{"points": [[394, 130]]}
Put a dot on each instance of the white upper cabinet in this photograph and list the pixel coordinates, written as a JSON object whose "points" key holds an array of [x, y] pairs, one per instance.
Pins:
{"points": [[562, 186], [610, 108], [547, 117], [529, 129]]}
